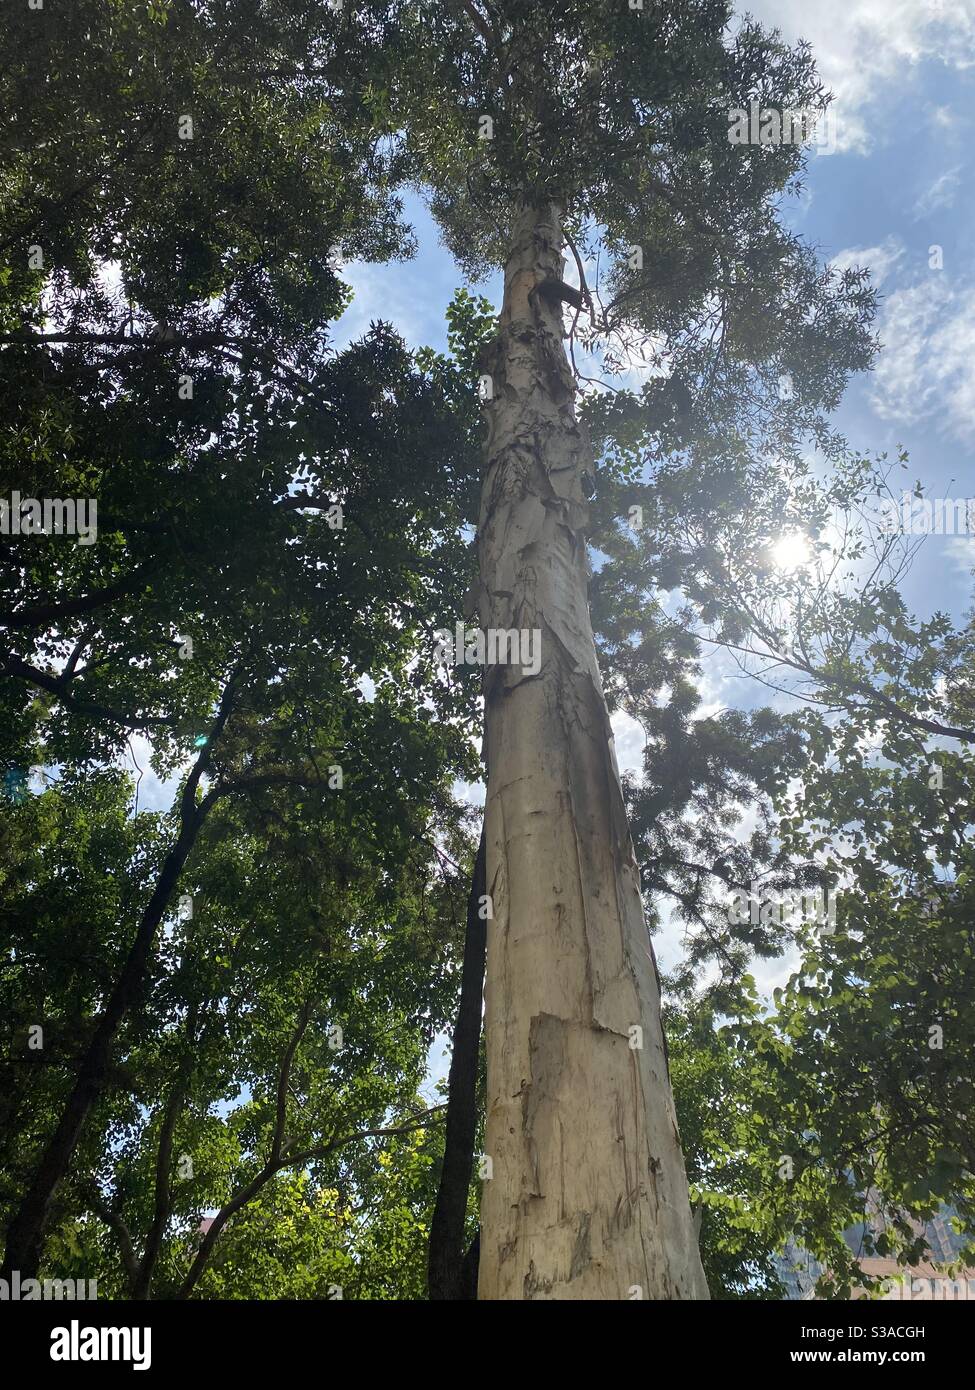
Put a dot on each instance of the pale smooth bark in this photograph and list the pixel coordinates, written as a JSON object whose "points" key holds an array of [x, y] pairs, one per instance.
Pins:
{"points": [[588, 1197]]}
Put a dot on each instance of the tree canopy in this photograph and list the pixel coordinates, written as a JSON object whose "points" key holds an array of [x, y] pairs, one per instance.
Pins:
{"points": [[219, 1009]]}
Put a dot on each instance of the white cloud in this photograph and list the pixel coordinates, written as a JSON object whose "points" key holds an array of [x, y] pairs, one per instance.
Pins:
{"points": [[151, 794], [386, 292], [774, 973], [940, 195], [861, 45], [944, 118], [927, 367], [961, 552], [630, 741], [879, 260]]}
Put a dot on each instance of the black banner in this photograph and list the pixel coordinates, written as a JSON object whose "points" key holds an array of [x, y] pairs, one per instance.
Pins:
{"points": [[168, 1339]]}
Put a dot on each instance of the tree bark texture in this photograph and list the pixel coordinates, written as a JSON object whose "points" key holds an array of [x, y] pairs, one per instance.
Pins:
{"points": [[588, 1197]]}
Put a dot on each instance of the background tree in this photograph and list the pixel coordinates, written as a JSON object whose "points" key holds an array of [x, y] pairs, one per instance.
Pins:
{"points": [[240, 591], [841, 1129]]}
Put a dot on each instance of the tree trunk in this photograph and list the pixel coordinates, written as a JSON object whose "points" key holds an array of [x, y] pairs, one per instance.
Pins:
{"points": [[448, 1261], [588, 1198]]}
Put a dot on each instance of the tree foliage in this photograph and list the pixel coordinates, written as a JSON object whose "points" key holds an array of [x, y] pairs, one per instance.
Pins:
{"points": [[283, 524]]}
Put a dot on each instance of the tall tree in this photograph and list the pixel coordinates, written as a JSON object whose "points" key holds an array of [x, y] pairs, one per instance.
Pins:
{"points": [[605, 128]]}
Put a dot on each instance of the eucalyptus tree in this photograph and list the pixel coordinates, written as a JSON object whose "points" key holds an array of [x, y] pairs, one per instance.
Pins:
{"points": [[603, 129]]}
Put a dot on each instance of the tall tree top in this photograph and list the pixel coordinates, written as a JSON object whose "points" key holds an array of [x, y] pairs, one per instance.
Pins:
{"points": [[624, 118]]}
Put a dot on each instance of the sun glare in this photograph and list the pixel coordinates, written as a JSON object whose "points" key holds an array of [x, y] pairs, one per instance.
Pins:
{"points": [[791, 551]]}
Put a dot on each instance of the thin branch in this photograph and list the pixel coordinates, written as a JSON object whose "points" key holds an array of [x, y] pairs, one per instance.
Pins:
{"points": [[270, 1169], [119, 1229], [55, 685], [46, 613]]}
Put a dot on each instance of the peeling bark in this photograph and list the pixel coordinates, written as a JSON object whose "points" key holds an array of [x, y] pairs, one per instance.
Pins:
{"points": [[588, 1198]]}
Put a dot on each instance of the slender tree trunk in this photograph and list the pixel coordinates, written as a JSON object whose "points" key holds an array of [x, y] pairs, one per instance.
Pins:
{"points": [[588, 1198], [447, 1258], [163, 1202], [25, 1234]]}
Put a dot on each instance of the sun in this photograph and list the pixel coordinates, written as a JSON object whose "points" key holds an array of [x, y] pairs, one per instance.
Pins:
{"points": [[791, 551]]}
